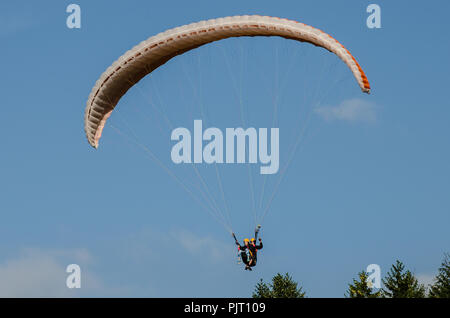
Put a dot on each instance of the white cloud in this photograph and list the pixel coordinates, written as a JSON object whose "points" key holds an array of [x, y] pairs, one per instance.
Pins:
{"points": [[35, 272], [148, 245], [352, 110], [42, 273], [193, 244]]}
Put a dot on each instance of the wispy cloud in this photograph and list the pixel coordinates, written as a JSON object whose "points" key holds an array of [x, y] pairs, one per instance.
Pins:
{"points": [[193, 244], [351, 110], [148, 245], [42, 273], [38, 272]]}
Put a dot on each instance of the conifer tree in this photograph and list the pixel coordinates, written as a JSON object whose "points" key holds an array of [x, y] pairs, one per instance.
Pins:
{"points": [[281, 287], [401, 283], [441, 287], [362, 288]]}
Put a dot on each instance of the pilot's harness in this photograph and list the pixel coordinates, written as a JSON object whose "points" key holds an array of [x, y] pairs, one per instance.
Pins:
{"points": [[248, 251]]}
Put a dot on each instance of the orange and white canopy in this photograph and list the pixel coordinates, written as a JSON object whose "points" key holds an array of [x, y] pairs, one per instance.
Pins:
{"points": [[141, 60]]}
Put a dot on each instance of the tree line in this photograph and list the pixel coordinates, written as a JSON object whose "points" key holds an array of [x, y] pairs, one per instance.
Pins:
{"points": [[399, 282]]}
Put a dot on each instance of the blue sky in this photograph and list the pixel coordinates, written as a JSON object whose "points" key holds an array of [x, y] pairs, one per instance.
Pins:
{"points": [[369, 183]]}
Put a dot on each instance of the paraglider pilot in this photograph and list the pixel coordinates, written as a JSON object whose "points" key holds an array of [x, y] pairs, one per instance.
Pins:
{"points": [[250, 246]]}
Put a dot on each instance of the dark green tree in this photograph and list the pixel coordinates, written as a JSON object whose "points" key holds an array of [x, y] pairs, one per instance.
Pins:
{"points": [[362, 288], [401, 283], [441, 287], [262, 290], [281, 287]]}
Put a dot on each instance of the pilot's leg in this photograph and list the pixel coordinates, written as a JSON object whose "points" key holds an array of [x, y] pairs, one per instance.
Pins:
{"points": [[244, 258]]}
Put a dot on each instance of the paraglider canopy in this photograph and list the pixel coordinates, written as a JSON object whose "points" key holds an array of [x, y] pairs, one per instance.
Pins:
{"points": [[141, 60]]}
